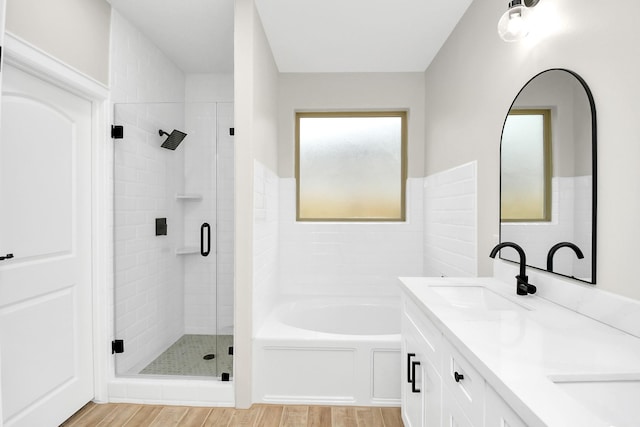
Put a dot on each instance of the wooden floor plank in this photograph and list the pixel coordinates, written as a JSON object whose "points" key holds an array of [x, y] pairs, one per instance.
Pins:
{"points": [[219, 417], [344, 416], [120, 415], [392, 417], [195, 417], [169, 416], [244, 417], [294, 416], [319, 416], [369, 417], [97, 413], [269, 415], [79, 414], [145, 415]]}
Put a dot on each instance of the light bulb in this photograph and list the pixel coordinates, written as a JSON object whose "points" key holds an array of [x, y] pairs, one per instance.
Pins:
{"points": [[513, 24]]}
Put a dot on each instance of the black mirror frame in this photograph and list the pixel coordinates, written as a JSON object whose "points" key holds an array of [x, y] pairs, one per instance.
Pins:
{"points": [[594, 157]]}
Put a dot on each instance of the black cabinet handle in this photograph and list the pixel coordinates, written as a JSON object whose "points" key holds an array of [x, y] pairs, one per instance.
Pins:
{"points": [[409, 356], [414, 389], [7, 256], [204, 227], [458, 377]]}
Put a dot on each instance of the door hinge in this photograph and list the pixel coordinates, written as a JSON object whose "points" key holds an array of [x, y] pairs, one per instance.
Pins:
{"points": [[117, 346], [232, 131], [231, 351], [117, 131], [225, 376]]}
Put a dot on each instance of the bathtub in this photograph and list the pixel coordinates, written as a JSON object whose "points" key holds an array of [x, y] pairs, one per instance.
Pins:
{"points": [[329, 350]]}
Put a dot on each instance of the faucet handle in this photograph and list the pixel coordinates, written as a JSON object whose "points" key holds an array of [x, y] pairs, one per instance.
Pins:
{"points": [[523, 286]]}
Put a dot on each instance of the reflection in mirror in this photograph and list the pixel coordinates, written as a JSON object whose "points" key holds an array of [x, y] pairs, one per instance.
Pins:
{"points": [[526, 166], [548, 175]]}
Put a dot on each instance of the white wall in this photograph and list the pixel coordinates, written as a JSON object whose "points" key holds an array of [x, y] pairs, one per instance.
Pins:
{"points": [[473, 80], [350, 91], [74, 31], [140, 72], [209, 87], [255, 97]]}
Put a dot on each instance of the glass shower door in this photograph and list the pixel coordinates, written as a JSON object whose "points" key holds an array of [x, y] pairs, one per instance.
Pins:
{"points": [[165, 240]]}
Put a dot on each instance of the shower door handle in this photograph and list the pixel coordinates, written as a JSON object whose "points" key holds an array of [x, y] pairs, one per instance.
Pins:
{"points": [[204, 227]]}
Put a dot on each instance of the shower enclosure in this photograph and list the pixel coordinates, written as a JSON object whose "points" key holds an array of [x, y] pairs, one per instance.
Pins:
{"points": [[173, 231]]}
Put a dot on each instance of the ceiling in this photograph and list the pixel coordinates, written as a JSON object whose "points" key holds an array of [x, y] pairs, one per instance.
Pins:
{"points": [[305, 35], [196, 34]]}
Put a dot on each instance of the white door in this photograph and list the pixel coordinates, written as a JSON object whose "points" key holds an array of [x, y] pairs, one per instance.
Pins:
{"points": [[45, 223]]}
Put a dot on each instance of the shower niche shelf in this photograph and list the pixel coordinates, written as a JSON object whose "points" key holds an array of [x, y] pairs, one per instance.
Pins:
{"points": [[187, 250], [188, 196]]}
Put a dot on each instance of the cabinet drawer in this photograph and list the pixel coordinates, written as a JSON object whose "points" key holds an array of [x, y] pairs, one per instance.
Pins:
{"points": [[463, 382], [431, 336]]}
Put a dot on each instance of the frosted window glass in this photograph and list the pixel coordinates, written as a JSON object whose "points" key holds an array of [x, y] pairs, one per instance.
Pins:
{"points": [[524, 168], [350, 168]]}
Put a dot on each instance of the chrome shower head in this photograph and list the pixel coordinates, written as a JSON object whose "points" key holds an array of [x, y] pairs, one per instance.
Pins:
{"points": [[174, 139]]}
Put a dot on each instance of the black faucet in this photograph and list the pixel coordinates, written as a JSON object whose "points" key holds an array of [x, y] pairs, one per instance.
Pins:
{"points": [[523, 287], [557, 246]]}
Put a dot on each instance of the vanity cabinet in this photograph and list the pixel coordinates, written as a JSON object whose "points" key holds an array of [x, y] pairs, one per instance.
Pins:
{"points": [[439, 386]]}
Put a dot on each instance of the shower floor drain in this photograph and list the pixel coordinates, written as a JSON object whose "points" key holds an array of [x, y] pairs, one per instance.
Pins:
{"points": [[209, 356]]}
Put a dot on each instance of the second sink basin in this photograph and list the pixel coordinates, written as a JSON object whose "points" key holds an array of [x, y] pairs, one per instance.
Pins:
{"points": [[614, 398], [476, 297]]}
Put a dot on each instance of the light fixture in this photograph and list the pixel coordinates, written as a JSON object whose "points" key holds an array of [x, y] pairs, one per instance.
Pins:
{"points": [[514, 23]]}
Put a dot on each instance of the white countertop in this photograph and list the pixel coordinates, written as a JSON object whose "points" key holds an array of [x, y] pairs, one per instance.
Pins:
{"points": [[517, 351]]}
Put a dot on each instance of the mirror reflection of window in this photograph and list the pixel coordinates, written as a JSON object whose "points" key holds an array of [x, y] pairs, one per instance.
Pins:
{"points": [[526, 166]]}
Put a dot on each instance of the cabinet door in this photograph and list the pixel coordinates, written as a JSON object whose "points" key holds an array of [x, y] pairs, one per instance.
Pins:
{"points": [[452, 414], [498, 413], [421, 383]]}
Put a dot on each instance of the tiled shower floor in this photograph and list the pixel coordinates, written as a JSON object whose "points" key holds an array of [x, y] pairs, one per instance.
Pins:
{"points": [[185, 357]]}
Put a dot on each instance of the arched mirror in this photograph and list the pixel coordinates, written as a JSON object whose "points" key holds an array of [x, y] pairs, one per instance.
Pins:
{"points": [[548, 175]]}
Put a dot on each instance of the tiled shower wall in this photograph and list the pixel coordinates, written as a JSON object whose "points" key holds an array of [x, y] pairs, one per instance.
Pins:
{"points": [[225, 232], [149, 292], [200, 179], [140, 72], [209, 171]]}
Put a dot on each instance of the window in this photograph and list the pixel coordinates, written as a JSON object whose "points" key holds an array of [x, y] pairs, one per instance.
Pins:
{"points": [[351, 166], [526, 166]]}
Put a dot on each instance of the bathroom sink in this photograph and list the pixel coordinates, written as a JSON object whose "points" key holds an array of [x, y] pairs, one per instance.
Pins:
{"points": [[476, 297], [614, 398]]}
